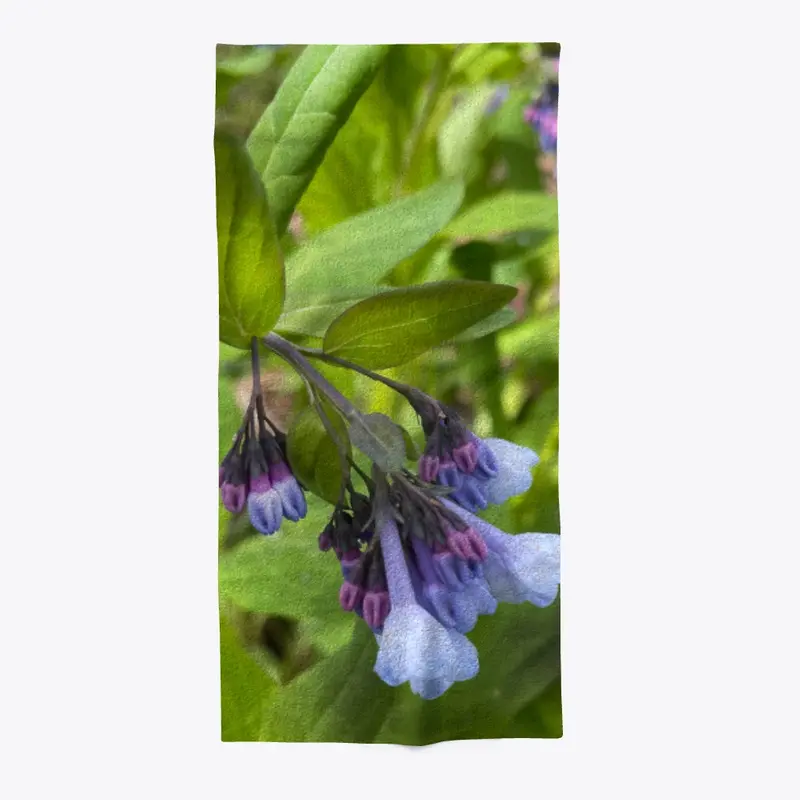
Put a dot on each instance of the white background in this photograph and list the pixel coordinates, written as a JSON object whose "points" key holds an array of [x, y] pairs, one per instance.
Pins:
{"points": [[679, 481]]}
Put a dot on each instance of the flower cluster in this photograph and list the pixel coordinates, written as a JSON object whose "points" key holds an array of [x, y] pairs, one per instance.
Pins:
{"points": [[479, 471], [435, 567], [255, 472], [418, 566]]}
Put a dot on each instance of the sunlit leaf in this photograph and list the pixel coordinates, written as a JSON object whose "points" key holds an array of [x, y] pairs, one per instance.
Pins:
{"points": [[315, 99], [251, 283], [397, 326], [505, 213]]}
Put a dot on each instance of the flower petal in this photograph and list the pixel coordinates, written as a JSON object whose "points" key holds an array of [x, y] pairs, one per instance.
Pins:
{"points": [[471, 495], [415, 646], [266, 511], [293, 501], [514, 471]]}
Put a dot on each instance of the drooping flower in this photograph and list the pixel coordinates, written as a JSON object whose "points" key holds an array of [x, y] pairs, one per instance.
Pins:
{"points": [[479, 471], [255, 473], [433, 570], [519, 568], [415, 647]]}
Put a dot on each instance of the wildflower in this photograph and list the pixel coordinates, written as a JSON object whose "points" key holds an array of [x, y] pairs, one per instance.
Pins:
{"points": [[415, 647], [479, 471], [434, 568], [255, 473], [519, 568]]}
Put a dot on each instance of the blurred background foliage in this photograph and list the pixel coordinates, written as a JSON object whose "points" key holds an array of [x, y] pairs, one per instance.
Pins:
{"points": [[294, 666]]}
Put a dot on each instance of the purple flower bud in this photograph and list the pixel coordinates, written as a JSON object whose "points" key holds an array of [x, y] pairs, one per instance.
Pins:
{"points": [[293, 501], [350, 596], [264, 505], [428, 468], [467, 544], [449, 474], [466, 456], [324, 541], [234, 496], [349, 563], [260, 484], [376, 608], [279, 472]]}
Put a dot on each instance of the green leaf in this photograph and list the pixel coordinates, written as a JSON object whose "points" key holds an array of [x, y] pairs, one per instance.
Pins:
{"points": [[339, 700], [463, 132], [314, 455], [286, 574], [315, 318], [396, 326], [505, 213], [315, 99], [245, 689], [345, 263], [379, 438], [536, 339], [500, 319], [251, 286]]}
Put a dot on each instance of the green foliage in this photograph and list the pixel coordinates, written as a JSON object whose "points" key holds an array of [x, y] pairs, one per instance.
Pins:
{"points": [[381, 440], [251, 284], [314, 455], [464, 132], [505, 213], [286, 574], [231, 69], [314, 101], [246, 690], [348, 260], [342, 700], [397, 326]]}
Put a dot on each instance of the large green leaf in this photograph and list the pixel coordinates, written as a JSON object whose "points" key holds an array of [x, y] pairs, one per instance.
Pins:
{"points": [[251, 283], [286, 574], [505, 213], [245, 689], [396, 326], [346, 262], [342, 699], [314, 101]]}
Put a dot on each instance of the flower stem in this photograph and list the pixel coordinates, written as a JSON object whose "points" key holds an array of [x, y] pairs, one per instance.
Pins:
{"points": [[414, 396], [255, 367], [293, 356], [368, 442]]}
